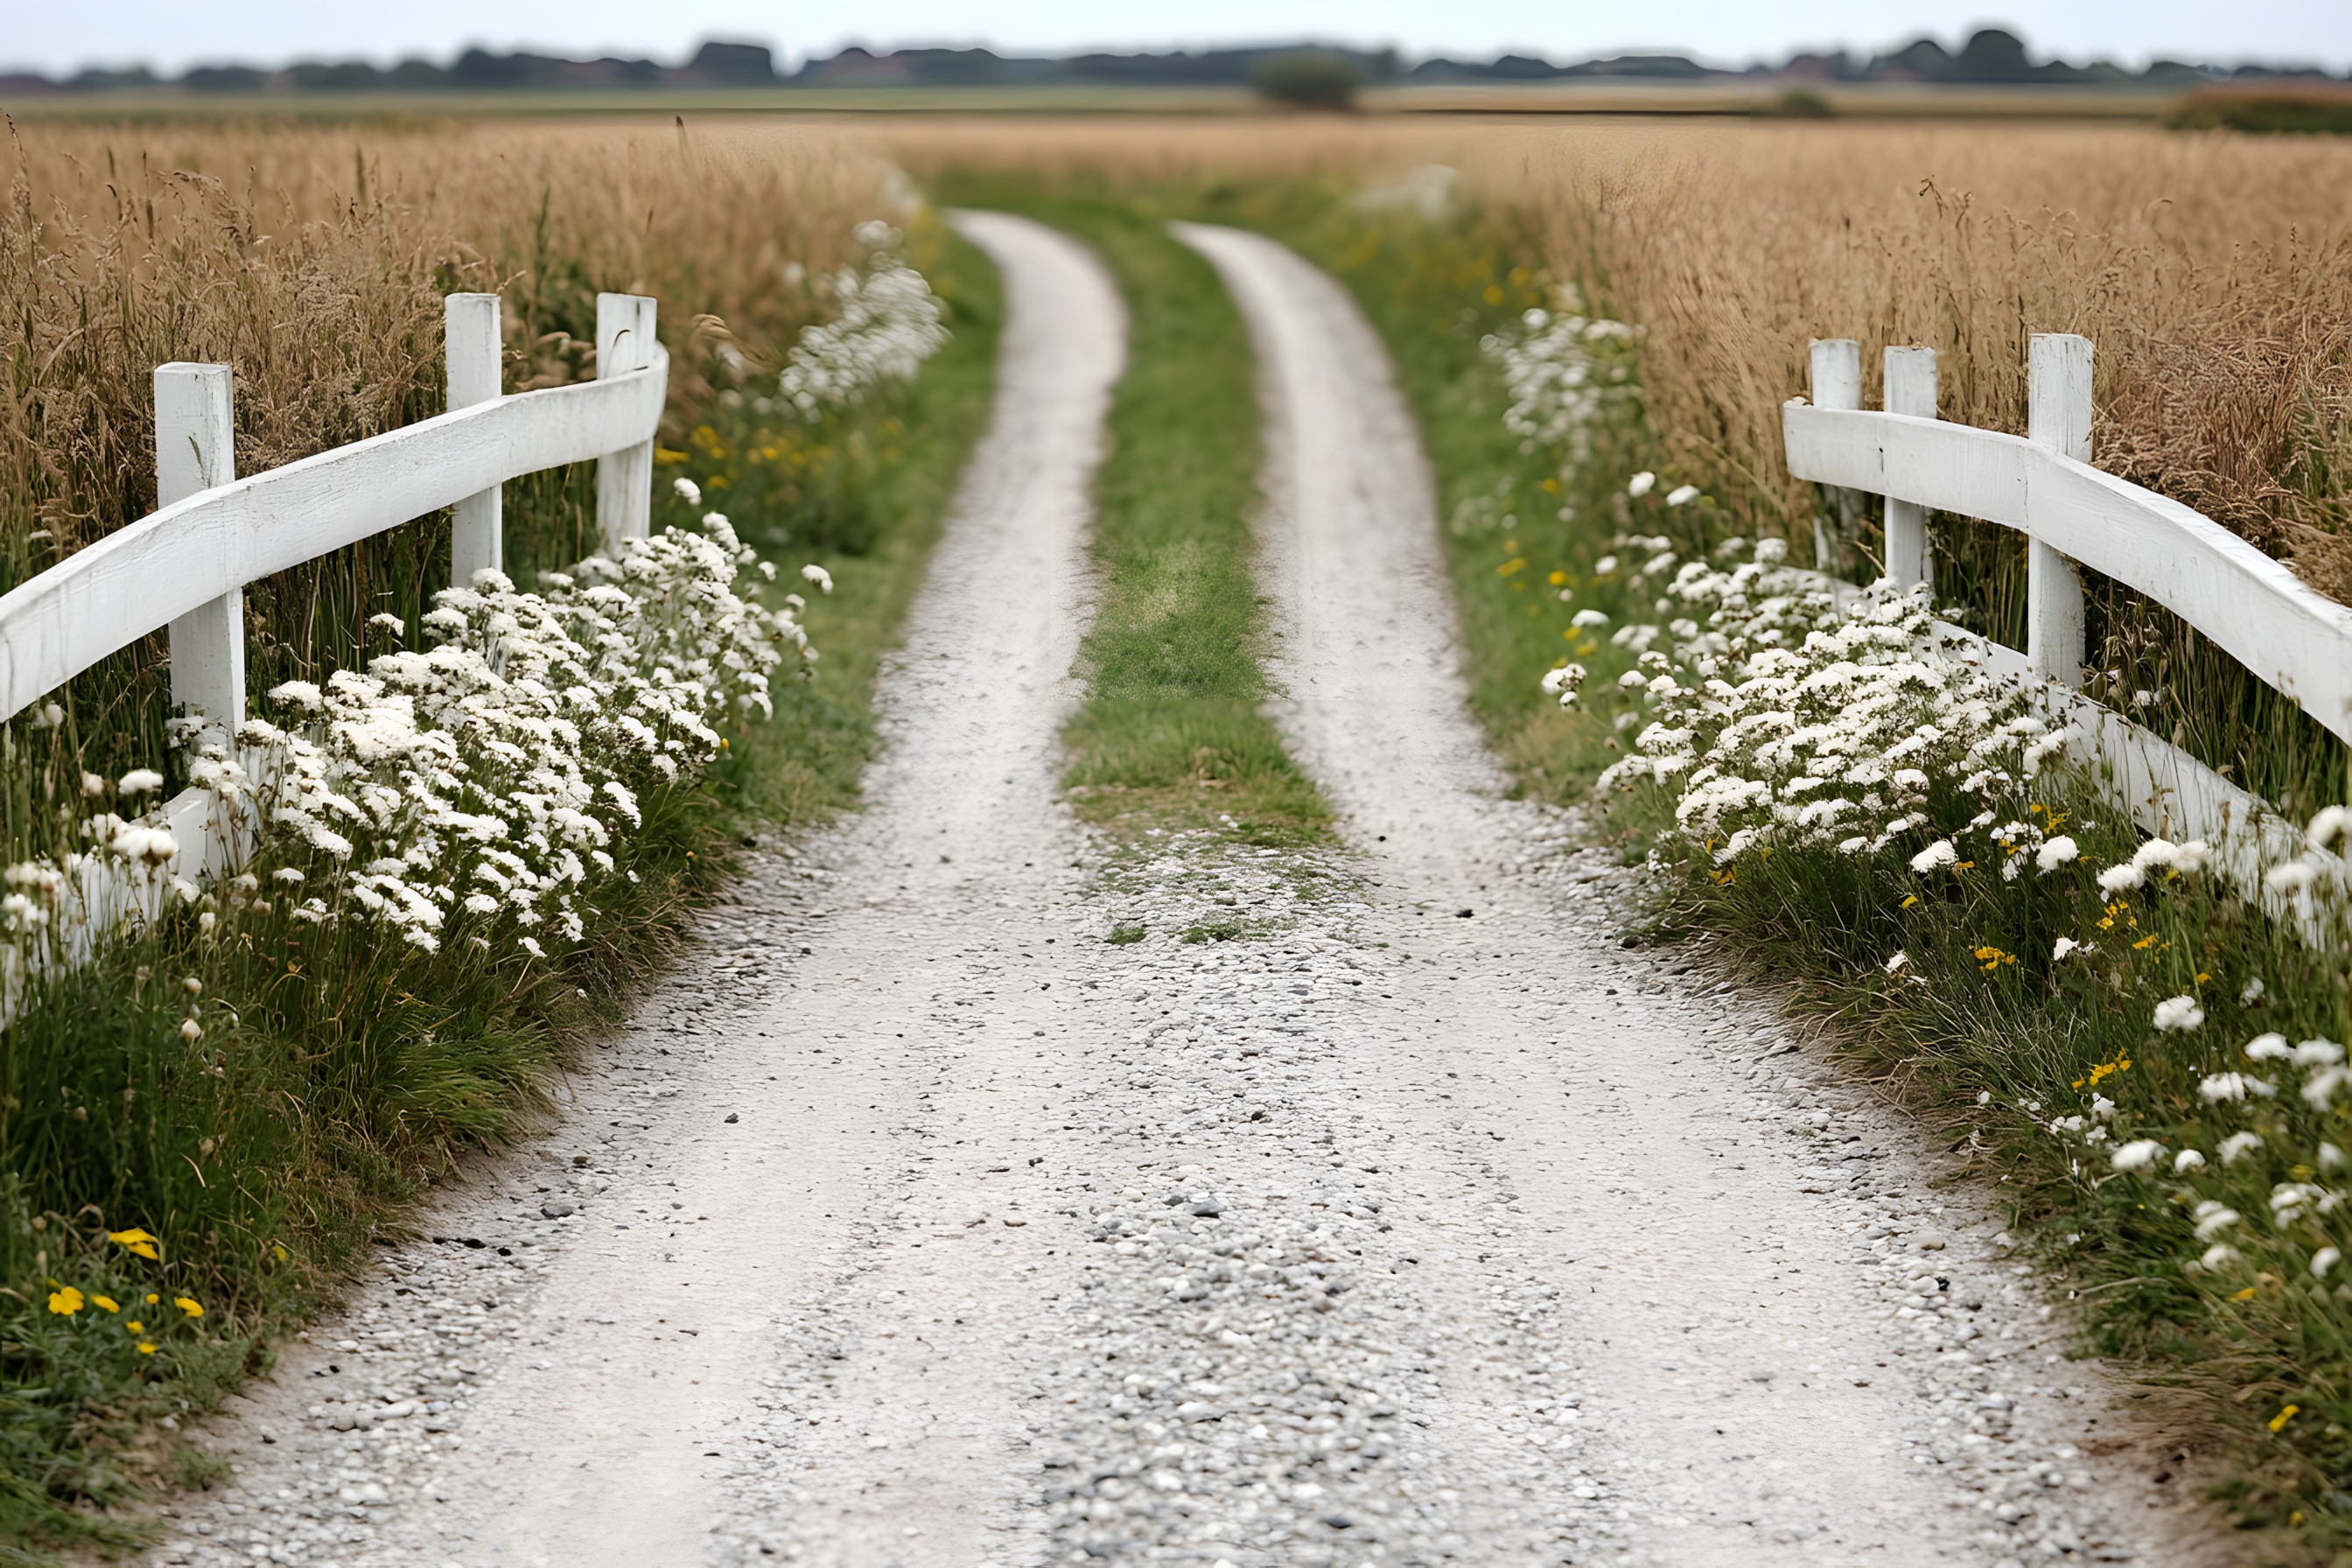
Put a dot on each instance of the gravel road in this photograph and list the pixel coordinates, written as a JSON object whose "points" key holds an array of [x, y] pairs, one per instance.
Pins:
{"points": [[1377, 1208]]}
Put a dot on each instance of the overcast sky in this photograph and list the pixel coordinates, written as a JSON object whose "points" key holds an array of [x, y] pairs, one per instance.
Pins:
{"points": [[173, 33]]}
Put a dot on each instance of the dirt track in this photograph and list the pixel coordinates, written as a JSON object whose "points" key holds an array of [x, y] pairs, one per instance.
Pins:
{"points": [[913, 1222]]}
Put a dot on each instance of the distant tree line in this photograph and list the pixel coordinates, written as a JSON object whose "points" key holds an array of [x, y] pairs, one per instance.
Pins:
{"points": [[1990, 57]]}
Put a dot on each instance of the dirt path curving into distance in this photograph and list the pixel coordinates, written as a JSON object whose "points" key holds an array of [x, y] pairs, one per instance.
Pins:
{"points": [[914, 1222]]}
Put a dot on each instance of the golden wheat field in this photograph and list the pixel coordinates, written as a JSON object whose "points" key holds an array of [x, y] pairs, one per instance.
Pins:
{"points": [[2213, 271], [314, 259]]}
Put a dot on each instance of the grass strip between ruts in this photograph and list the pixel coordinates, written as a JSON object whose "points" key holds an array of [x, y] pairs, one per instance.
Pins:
{"points": [[1172, 732]]}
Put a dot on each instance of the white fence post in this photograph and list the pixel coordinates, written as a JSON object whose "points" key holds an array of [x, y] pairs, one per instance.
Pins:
{"points": [[195, 449], [475, 354], [2057, 417], [624, 479], [1910, 389], [1837, 384]]}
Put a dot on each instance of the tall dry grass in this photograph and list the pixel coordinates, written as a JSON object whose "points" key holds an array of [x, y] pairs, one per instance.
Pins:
{"points": [[313, 258], [2212, 272]]}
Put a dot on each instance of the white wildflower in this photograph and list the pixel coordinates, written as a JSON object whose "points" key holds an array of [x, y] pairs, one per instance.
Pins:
{"points": [[1897, 962], [2139, 1155], [2325, 1258], [2178, 1014], [888, 323], [688, 491], [2221, 1086], [1641, 484], [2188, 1160], [2054, 853], [1936, 855], [2213, 1218], [2237, 1145], [2062, 947], [2290, 877], [139, 781], [1682, 495]]}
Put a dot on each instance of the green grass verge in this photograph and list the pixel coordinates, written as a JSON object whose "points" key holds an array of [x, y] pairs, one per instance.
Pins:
{"points": [[806, 763], [1172, 732], [338, 1072]]}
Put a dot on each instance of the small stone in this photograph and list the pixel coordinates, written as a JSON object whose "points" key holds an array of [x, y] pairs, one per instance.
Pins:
{"points": [[733, 1117], [556, 1211]]}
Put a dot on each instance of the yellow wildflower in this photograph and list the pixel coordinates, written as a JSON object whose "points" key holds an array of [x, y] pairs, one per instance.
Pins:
{"points": [[189, 1305], [64, 1302], [135, 1328], [138, 1241], [1910, 899], [1558, 579], [105, 1301], [2284, 1416], [146, 1348]]}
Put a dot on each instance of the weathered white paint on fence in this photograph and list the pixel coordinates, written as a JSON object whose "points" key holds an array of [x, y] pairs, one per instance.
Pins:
{"points": [[475, 350], [2044, 486], [625, 477], [196, 450], [1910, 376], [2057, 419]]}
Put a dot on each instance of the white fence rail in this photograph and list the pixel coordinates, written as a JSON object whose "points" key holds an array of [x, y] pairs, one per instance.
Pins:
{"points": [[186, 565], [2042, 485]]}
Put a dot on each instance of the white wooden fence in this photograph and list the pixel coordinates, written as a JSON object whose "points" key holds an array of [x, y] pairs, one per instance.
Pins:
{"points": [[2041, 484], [185, 566]]}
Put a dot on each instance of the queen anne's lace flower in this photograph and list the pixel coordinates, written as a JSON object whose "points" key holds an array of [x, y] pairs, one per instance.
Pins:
{"points": [[483, 780], [888, 323], [1563, 369]]}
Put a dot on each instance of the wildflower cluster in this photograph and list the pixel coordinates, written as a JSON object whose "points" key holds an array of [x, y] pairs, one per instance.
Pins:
{"points": [[1563, 369], [120, 1317], [482, 780], [1783, 718], [887, 323], [2265, 1207]]}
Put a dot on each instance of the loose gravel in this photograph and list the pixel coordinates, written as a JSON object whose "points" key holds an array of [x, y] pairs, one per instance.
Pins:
{"points": [[988, 1192]]}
